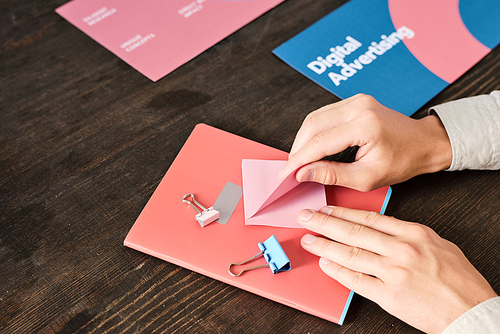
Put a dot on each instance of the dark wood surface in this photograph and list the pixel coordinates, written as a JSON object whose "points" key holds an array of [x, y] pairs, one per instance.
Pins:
{"points": [[85, 140]]}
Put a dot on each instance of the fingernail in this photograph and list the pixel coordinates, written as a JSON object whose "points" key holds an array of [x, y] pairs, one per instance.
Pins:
{"points": [[326, 210], [324, 261], [308, 176], [305, 215], [308, 239]]}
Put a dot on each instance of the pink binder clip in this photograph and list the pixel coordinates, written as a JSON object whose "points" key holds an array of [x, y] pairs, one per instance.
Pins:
{"points": [[204, 217]]}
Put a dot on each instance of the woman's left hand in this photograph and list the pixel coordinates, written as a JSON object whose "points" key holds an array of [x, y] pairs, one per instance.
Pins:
{"points": [[405, 267]]}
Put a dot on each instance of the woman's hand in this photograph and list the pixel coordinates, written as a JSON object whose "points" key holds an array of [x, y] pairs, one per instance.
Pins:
{"points": [[406, 268], [392, 147]]}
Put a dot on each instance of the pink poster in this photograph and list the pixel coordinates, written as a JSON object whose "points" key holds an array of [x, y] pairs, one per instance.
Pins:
{"points": [[158, 36]]}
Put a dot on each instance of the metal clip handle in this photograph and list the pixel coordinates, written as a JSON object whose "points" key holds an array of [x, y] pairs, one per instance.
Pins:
{"points": [[246, 261], [194, 201]]}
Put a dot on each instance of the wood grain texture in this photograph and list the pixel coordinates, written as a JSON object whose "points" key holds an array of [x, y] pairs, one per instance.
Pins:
{"points": [[85, 140]]}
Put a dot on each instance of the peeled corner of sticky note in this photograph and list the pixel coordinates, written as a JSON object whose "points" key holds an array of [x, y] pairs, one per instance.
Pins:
{"points": [[271, 202]]}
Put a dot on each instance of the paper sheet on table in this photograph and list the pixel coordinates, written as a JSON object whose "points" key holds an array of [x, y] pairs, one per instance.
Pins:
{"points": [[267, 201], [156, 36]]}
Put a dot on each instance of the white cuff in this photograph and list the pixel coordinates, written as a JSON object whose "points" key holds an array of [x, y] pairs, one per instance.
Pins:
{"points": [[483, 318], [473, 127]]}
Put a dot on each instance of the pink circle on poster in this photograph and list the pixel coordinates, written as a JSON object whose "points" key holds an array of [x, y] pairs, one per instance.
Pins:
{"points": [[441, 43]]}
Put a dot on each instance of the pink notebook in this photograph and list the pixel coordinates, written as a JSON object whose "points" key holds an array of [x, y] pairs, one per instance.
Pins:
{"points": [[166, 228], [157, 36]]}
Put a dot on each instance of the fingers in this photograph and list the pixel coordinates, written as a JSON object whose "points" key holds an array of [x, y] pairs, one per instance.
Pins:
{"points": [[359, 252], [317, 124], [317, 132], [321, 120], [353, 258], [324, 172], [350, 175], [324, 144], [365, 285], [362, 234], [384, 224]]}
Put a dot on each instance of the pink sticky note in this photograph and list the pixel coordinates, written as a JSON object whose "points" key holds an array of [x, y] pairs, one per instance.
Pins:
{"points": [[267, 201]]}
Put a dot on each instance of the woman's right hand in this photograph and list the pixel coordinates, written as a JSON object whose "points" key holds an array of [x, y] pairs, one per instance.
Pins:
{"points": [[392, 147]]}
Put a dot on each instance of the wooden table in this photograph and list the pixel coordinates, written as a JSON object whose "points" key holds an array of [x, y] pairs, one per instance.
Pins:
{"points": [[85, 140]]}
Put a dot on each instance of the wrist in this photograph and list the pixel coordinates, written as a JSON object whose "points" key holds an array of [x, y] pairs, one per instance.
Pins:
{"points": [[438, 147]]}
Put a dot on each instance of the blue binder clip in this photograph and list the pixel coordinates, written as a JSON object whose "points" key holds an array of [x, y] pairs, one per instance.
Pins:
{"points": [[273, 253]]}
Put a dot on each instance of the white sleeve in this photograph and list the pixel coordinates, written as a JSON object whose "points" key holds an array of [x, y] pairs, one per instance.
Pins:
{"points": [[473, 126], [483, 318]]}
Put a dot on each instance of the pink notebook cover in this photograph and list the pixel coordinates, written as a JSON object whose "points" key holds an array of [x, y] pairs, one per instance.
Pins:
{"points": [[157, 36], [166, 228]]}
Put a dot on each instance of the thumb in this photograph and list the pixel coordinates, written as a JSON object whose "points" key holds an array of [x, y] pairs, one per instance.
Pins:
{"points": [[335, 173]]}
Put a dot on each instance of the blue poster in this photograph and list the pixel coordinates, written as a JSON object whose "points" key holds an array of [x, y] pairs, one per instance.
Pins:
{"points": [[402, 52]]}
